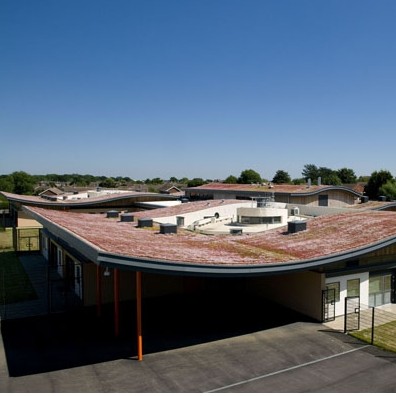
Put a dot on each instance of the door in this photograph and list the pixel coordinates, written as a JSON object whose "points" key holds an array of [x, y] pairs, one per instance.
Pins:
{"points": [[328, 304]]}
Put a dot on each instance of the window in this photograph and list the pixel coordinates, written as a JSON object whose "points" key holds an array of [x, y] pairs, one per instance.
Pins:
{"points": [[261, 220], [353, 288], [323, 200], [380, 290], [336, 287]]}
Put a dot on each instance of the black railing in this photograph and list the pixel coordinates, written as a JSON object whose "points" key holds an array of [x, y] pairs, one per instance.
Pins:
{"points": [[374, 325]]}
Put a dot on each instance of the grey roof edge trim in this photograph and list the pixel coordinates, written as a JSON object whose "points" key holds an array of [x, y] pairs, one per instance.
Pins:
{"points": [[327, 188], [319, 190], [87, 249], [386, 206], [181, 268]]}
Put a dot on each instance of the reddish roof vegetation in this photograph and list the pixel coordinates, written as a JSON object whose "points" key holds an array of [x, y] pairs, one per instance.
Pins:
{"points": [[324, 236], [276, 188]]}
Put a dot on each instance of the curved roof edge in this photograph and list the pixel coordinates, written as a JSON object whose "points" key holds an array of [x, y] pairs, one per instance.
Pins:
{"points": [[386, 206], [327, 188], [159, 266], [40, 202]]}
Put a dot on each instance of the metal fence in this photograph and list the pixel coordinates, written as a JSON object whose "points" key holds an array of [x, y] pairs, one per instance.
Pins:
{"points": [[36, 290], [374, 325]]}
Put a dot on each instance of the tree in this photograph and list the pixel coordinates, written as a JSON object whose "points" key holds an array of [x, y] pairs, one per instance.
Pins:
{"points": [[23, 183], [6, 183], [376, 181], [195, 182], [184, 180], [231, 180], [331, 179], [310, 171], [363, 179], [281, 176], [347, 176], [388, 189], [328, 176], [249, 176], [108, 183], [299, 181]]}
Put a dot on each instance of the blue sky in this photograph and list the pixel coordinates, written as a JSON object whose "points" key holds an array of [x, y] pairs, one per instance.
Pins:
{"points": [[197, 88]]}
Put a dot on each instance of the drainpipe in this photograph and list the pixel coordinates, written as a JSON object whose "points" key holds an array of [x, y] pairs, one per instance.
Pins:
{"points": [[116, 302], [98, 292], [139, 315]]}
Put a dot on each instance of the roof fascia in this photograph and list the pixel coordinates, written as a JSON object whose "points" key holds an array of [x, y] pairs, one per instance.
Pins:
{"points": [[159, 266], [327, 188], [86, 203]]}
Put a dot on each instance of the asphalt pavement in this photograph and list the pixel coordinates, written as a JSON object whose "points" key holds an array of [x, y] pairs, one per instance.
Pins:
{"points": [[49, 355]]}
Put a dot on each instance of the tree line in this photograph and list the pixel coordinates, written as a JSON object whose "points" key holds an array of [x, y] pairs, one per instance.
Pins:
{"points": [[380, 183]]}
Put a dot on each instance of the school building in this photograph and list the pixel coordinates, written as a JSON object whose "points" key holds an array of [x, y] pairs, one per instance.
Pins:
{"points": [[305, 257]]}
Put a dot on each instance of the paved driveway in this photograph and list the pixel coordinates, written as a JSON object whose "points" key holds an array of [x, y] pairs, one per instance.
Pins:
{"points": [[297, 357]]}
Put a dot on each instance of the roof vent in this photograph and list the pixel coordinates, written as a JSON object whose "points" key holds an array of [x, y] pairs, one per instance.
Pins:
{"points": [[145, 222], [236, 231], [168, 228], [295, 211], [296, 226], [127, 217], [364, 199], [112, 214]]}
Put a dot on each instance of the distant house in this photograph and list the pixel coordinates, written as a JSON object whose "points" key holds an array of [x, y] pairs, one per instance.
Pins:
{"points": [[173, 190], [51, 194]]}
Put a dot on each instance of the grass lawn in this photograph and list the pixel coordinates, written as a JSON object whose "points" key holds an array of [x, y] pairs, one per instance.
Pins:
{"points": [[5, 239], [15, 285], [384, 336]]}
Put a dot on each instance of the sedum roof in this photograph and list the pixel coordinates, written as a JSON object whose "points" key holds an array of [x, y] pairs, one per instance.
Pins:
{"points": [[274, 188], [325, 235]]}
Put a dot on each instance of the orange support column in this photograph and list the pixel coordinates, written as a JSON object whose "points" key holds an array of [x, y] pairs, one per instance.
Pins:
{"points": [[116, 302], [139, 315], [98, 291]]}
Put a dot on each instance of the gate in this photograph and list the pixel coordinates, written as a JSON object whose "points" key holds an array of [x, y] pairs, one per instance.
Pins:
{"points": [[328, 305], [27, 239], [352, 314]]}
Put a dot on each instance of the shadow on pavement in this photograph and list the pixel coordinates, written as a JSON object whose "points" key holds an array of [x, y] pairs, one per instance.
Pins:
{"points": [[61, 341]]}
